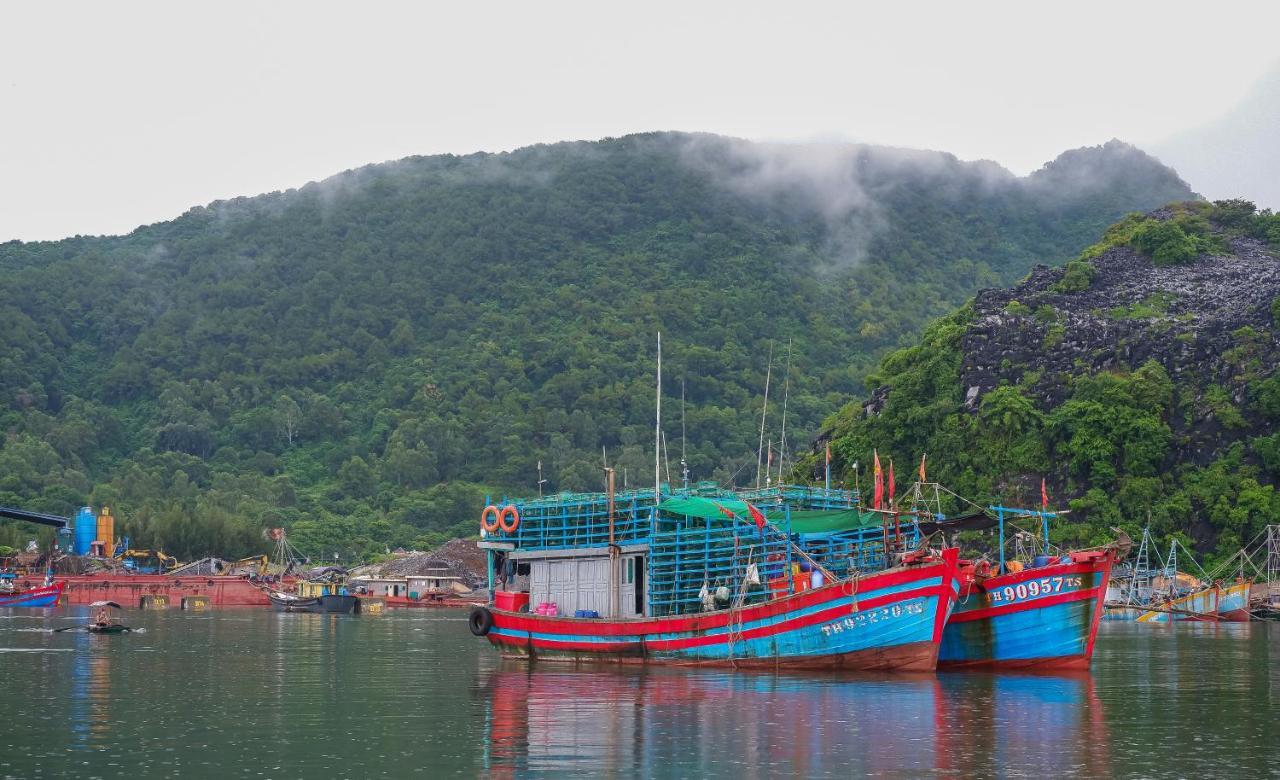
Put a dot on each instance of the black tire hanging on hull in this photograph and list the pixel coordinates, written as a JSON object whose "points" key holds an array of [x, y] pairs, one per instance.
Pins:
{"points": [[480, 621]]}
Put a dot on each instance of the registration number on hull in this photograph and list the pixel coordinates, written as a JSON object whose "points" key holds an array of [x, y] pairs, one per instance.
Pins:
{"points": [[874, 616], [1024, 591]]}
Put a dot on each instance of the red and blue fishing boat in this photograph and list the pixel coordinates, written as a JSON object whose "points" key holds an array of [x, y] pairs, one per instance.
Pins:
{"points": [[46, 595], [701, 578], [1041, 614]]}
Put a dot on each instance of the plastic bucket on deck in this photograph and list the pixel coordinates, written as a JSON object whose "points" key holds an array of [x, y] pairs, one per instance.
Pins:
{"points": [[1041, 560]]}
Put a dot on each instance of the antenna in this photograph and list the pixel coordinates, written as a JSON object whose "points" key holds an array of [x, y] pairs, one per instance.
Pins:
{"points": [[764, 411], [786, 392], [541, 481]]}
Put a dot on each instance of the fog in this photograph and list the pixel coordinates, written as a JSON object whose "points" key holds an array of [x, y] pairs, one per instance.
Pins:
{"points": [[116, 116]]}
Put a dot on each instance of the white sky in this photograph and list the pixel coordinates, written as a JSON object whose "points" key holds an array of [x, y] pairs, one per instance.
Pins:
{"points": [[114, 115]]}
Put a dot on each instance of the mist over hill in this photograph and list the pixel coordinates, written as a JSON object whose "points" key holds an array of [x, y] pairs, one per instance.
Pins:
{"points": [[364, 358], [1235, 155]]}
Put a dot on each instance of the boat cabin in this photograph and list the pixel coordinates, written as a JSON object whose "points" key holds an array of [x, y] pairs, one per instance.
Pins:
{"points": [[625, 555]]}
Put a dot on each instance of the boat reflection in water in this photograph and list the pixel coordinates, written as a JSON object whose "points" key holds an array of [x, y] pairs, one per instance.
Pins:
{"points": [[664, 722]]}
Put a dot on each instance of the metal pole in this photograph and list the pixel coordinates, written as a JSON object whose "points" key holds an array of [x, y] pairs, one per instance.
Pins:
{"points": [[1044, 520], [1000, 518], [764, 413], [657, 436]]}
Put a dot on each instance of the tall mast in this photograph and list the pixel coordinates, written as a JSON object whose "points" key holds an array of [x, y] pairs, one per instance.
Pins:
{"points": [[786, 392], [684, 461], [657, 433], [764, 411]]}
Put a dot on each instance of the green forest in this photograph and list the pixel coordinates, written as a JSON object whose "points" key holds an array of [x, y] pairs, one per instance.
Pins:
{"points": [[1182, 435], [364, 359]]}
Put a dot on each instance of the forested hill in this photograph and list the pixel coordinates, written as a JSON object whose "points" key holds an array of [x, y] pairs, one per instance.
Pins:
{"points": [[1140, 379], [356, 358]]}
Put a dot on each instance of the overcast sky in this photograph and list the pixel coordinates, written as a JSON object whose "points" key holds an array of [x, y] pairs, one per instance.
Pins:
{"points": [[116, 115]]}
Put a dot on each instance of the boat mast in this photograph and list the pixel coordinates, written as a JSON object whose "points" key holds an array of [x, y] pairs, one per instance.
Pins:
{"points": [[786, 392], [684, 461], [657, 435], [764, 411]]}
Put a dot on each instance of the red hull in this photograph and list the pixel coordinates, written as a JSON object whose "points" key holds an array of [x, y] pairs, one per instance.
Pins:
{"points": [[128, 590], [403, 602]]}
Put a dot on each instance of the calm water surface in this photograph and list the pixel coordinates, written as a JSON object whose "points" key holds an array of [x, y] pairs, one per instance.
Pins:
{"points": [[248, 693]]}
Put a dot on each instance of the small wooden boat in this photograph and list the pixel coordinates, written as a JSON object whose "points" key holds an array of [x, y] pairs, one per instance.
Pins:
{"points": [[40, 596], [329, 596], [104, 622]]}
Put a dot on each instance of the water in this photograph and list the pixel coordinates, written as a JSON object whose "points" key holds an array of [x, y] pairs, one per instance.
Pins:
{"points": [[252, 693]]}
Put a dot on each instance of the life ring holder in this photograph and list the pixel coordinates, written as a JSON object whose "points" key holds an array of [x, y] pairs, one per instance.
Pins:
{"points": [[509, 511], [490, 511]]}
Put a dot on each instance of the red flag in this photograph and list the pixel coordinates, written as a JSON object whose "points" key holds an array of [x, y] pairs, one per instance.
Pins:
{"points": [[1044, 495], [725, 511], [756, 515], [878, 496], [922, 477], [891, 481]]}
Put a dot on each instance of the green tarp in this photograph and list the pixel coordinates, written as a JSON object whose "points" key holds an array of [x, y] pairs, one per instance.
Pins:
{"points": [[803, 521]]}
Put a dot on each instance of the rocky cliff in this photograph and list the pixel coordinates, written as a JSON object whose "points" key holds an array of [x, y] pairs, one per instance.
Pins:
{"points": [[1140, 380]]}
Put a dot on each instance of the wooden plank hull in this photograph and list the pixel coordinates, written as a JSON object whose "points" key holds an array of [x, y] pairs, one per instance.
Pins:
{"points": [[34, 598], [890, 621], [1229, 603], [1043, 618]]}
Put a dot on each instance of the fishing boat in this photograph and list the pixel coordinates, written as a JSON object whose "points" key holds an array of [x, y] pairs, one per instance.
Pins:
{"points": [[1041, 612], [1043, 616], [656, 577], [1165, 594], [104, 621], [14, 595], [1215, 602], [324, 592]]}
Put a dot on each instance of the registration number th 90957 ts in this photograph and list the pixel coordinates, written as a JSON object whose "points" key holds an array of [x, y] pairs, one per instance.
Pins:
{"points": [[1031, 589]]}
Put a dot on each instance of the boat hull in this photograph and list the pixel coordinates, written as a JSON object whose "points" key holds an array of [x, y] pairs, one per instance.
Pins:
{"points": [[37, 597], [890, 621], [337, 605], [1043, 618], [1228, 603]]}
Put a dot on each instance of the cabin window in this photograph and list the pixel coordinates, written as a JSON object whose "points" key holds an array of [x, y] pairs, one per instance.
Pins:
{"points": [[631, 570]]}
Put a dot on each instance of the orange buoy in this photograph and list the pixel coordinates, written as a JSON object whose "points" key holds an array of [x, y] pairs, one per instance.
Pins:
{"points": [[509, 511], [489, 511]]}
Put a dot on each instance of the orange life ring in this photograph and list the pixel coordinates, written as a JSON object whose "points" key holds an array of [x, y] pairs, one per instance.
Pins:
{"points": [[484, 522], [509, 511]]}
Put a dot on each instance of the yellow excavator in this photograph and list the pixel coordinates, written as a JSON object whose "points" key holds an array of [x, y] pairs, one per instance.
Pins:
{"points": [[148, 561], [259, 561]]}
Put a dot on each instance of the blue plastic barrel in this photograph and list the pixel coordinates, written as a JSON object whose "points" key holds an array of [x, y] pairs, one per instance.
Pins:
{"points": [[86, 530], [1041, 560]]}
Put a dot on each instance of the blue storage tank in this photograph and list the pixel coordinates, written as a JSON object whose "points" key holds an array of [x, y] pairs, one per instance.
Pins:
{"points": [[86, 530]]}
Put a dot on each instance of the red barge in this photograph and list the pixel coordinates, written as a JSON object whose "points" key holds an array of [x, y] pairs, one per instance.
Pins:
{"points": [[130, 590]]}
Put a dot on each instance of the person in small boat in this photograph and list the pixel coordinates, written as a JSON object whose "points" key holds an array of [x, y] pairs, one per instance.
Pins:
{"points": [[103, 618]]}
